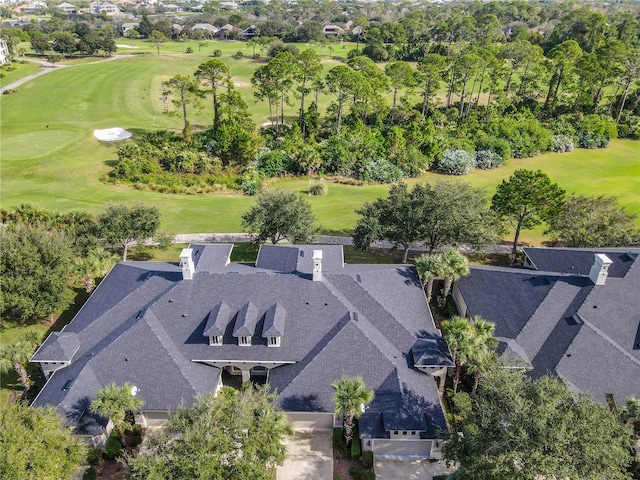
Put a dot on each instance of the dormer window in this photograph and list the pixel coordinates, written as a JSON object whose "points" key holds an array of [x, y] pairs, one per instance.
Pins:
{"points": [[244, 341], [274, 341], [215, 340]]}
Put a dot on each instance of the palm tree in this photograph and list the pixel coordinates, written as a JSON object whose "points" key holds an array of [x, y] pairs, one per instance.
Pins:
{"points": [[113, 402], [429, 267], [630, 412], [482, 354], [456, 266], [16, 355], [351, 395], [458, 334]]}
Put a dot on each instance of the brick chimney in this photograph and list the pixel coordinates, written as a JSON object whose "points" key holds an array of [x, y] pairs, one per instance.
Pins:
{"points": [[600, 269], [186, 262], [317, 265]]}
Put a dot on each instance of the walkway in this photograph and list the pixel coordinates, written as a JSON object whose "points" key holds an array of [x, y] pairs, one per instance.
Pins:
{"points": [[320, 239]]}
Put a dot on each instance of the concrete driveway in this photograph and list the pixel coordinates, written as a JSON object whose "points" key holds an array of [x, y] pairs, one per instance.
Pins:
{"points": [[310, 456], [408, 469]]}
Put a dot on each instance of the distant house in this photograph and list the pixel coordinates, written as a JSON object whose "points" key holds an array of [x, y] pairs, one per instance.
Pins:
{"points": [[572, 313], [249, 32], [104, 7], [332, 30], [129, 26], [67, 8], [225, 31], [299, 319], [208, 29], [4, 52], [171, 7], [229, 5]]}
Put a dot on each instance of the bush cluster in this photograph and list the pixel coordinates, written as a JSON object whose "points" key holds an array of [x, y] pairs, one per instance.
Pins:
{"points": [[114, 446], [456, 162], [562, 143]]}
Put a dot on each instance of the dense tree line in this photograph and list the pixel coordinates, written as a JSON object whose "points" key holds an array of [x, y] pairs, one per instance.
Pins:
{"points": [[44, 252]]}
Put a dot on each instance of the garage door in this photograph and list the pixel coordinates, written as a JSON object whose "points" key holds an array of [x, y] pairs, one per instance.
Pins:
{"points": [[413, 448], [311, 421]]}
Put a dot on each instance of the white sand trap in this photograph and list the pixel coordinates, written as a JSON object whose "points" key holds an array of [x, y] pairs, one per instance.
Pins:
{"points": [[125, 46], [111, 134]]}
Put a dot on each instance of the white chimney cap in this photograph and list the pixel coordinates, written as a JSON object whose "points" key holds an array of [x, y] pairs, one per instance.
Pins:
{"points": [[317, 254], [186, 253]]}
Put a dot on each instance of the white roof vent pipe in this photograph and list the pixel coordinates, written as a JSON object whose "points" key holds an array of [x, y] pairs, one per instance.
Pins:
{"points": [[317, 265], [600, 269], [186, 262]]}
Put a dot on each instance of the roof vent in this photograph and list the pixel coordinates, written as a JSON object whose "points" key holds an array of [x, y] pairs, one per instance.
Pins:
{"points": [[600, 269], [317, 265], [186, 262], [67, 385]]}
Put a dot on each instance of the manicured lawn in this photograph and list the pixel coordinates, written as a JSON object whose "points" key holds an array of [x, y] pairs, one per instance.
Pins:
{"points": [[16, 71], [50, 157]]}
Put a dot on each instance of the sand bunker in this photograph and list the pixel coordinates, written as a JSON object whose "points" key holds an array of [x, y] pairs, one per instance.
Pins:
{"points": [[111, 134]]}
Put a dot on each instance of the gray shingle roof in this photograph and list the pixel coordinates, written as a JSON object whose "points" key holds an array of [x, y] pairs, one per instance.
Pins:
{"points": [[147, 326], [212, 257], [58, 347], [299, 258], [246, 321], [578, 261], [218, 320], [563, 324], [274, 321]]}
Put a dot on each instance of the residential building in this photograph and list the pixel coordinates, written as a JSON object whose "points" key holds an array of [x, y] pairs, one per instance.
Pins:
{"points": [[4, 52], [299, 319], [68, 8], [572, 313], [104, 7]]}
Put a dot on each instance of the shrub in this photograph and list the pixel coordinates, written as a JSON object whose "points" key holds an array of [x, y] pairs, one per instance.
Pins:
{"points": [[114, 446], [250, 183], [189, 50], [338, 441], [90, 474], [217, 52], [486, 159], [356, 450], [358, 473], [238, 55], [456, 162], [273, 163], [367, 459], [562, 143], [595, 131], [382, 171], [136, 438], [94, 456], [319, 189]]}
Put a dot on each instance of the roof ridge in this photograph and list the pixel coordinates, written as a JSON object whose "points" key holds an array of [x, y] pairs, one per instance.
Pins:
{"points": [[544, 323], [369, 298], [174, 352]]}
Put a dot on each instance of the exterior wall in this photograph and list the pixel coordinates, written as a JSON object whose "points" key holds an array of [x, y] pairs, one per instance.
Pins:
{"points": [[4, 52], [311, 420], [405, 434], [401, 448], [49, 367], [459, 301]]}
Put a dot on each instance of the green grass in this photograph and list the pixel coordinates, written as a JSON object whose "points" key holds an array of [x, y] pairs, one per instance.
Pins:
{"points": [[50, 157], [21, 70]]}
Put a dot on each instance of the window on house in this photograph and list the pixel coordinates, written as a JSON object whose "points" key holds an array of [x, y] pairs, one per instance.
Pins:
{"points": [[274, 341], [216, 340], [395, 432], [245, 341], [404, 433], [413, 433]]}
